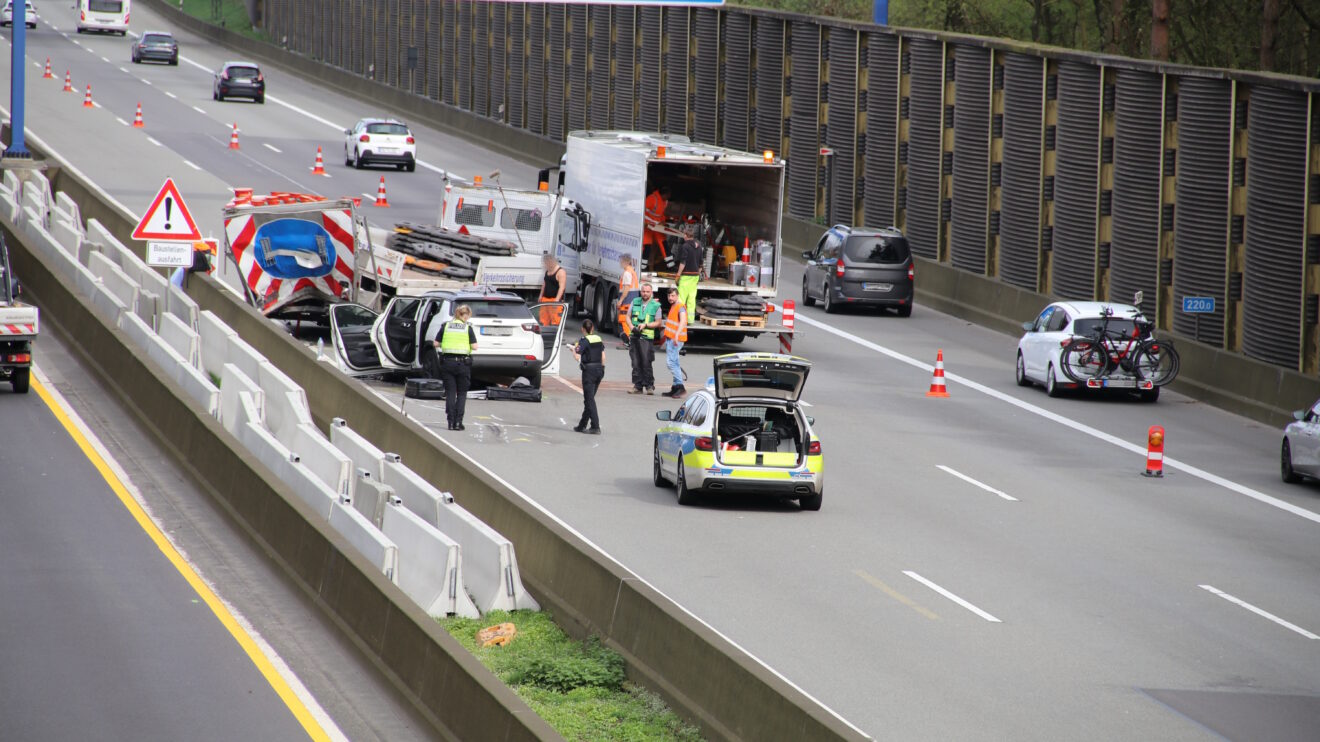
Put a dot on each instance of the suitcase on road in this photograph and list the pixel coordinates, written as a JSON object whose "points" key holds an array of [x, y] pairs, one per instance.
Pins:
{"points": [[424, 388], [515, 393]]}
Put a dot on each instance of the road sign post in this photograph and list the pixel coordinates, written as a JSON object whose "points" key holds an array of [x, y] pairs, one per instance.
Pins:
{"points": [[1197, 306]]}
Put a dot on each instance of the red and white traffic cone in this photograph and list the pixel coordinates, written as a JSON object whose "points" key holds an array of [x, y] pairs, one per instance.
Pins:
{"points": [[380, 194], [137, 118], [1154, 452], [790, 321], [233, 137], [68, 82], [319, 169], [937, 388], [87, 99], [47, 74], [747, 251]]}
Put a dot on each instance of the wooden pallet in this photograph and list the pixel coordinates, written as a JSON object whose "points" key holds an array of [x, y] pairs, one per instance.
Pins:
{"points": [[743, 321]]}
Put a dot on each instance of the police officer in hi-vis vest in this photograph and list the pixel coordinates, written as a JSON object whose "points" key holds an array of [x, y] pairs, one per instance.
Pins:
{"points": [[456, 343], [590, 353]]}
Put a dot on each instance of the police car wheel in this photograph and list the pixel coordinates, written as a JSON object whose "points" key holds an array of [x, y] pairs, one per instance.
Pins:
{"points": [[657, 476], [811, 502], [685, 496]]}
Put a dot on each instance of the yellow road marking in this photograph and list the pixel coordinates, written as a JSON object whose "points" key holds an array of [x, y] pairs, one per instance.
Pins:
{"points": [[896, 595], [263, 663]]}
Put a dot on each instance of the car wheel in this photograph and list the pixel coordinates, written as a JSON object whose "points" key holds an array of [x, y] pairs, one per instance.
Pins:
{"points": [[411, 167], [1021, 372], [174, 62], [348, 159], [357, 159], [1285, 463], [811, 502], [1149, 395], [20, 380], [1052, 387], [657, 476], [807, 301], [261, 99], [685, 496], [905, 310], [828, 300]]}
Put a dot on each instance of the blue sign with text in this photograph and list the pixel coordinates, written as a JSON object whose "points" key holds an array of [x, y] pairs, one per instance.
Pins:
{"points": [[1198, 304]]}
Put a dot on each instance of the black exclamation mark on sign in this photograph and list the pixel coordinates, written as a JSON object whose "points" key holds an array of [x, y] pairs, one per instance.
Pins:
{"points": [[169, 204]]}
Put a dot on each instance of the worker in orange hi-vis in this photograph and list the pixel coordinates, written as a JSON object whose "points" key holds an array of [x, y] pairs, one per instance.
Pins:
{"points": [[656, 204], [628, 289], [552, 289]]}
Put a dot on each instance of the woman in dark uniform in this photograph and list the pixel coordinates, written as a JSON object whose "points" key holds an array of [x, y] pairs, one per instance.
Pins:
{"points": [[456, 343], [590, 353]]}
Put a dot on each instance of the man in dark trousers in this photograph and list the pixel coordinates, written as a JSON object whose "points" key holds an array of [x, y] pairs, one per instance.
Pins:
{"points": [[644, 317], [590, 353], [456, 343]]}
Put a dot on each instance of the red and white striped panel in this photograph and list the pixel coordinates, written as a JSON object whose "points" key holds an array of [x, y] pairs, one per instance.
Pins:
{"points": [[274, 292], [18, 329]]}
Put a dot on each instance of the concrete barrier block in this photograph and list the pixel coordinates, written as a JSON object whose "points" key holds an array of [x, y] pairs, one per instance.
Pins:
{"points": [[115, 279], [69, 209], [360, 450], [326, 462], [430, 564], [181, 305], [148, 308], [33, 201], [148, 278], [199, 387], [492, 568], [214, 336], [286, 402], [97, 232], [370, 496], [8, 206], [233, 384], [248, 360], [279, 459], [179, 336], [367, 539], [11, 181], [106, 304], [69, 237]]}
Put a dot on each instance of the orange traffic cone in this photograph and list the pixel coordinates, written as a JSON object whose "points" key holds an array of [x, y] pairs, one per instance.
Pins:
{"points": [[747, 252], [68, 82], [937, 382], [320, 164], [47, 74], [1154, 452], [233, 137], [87, 99], [380, 194], [137, 118]]}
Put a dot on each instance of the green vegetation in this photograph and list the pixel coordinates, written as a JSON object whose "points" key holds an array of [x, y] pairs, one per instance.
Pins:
{"points": [[229, 14], [578, 687], [1277, 35]]}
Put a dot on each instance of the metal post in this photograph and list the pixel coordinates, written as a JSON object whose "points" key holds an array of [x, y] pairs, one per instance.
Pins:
{"points": [[881, 12], [17, 82]]}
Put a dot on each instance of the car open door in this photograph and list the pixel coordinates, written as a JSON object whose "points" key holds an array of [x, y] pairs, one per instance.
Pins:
{"points": [[552, 316], [395, 332], [760, 375], [351, 336]]}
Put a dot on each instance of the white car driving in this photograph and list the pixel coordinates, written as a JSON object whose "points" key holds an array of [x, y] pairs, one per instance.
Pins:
{"points": [[7, 16], [376, 141], [1040, 350], [1299, 456]]}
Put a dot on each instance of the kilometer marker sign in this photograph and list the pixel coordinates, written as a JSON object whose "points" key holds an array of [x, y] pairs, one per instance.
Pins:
{"points": [[168, 218]]}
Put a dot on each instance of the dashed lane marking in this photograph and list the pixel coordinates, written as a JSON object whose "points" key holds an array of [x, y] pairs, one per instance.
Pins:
{"points": [[272, 148], [191, 165], [975, 483], [1258, 611], [951, 596], [896, 595]]}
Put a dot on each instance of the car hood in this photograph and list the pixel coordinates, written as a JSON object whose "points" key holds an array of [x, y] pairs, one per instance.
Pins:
{"points": [[760, 375]]}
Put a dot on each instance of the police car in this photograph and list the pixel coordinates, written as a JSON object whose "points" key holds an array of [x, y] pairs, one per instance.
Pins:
{"points": [[745, 433]]}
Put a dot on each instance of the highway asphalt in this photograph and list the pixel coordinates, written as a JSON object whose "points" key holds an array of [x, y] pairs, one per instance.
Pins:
{"points": [[1067, 598]]}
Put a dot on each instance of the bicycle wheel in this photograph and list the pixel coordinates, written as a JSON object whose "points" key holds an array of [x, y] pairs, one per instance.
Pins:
{"points": [[1084, 359], [1156, 362]]}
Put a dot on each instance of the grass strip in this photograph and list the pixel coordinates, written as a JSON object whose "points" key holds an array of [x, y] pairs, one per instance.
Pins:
{"points": [[578, 687], [227, 14]]}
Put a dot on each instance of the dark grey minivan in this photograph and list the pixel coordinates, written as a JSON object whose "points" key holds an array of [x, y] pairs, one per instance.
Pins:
{"points": [[854, 266]]}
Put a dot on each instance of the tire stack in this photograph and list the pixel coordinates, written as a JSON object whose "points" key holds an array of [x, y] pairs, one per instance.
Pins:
{"points": [[443, 252], [721, 309], [750, 305]]}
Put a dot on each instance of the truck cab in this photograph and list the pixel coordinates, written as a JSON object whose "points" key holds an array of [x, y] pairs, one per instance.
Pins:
{"points": [[18, 328]]}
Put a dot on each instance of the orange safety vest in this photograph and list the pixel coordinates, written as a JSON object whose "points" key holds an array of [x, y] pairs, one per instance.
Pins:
{"points": [[655, 206], [676, 323]]}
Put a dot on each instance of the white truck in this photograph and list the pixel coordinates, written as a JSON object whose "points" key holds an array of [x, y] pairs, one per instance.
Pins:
{"points": [[735, 199], [19, 325]]}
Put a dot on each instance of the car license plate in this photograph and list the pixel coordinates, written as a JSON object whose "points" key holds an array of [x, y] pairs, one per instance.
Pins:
{"points": [[388, 150], [878, 286], [496, 331]]}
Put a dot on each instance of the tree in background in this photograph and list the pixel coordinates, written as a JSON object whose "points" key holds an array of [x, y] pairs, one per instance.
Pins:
{"points": [[1208, 33]]}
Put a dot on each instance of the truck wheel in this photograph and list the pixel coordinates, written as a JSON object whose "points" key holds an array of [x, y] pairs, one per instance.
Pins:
{"points": [[21, 379], [600, 310], [611, 314]]}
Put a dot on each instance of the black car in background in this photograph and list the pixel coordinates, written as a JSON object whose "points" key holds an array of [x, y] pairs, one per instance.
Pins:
{"points": [[156, 46], [239, 80], [854, 266]]}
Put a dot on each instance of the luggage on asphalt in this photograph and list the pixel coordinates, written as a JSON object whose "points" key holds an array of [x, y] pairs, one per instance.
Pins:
{"points": [[424, 388], [521, 390]]}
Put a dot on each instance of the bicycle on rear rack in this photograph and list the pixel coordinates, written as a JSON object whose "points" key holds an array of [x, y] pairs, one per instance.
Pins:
{"points": [[1103, 353]]}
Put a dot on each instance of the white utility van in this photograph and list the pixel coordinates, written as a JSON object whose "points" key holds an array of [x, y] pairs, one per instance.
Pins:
{"points": [[106, 16]]}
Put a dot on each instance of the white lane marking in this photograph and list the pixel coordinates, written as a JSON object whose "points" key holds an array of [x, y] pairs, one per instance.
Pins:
{"points": [[94, 103], [124, 70], [951, 596], [371, 196], [975, 483], [195, 108], [105, 59], [1258, 611], [301, 188], [153, 141], [172, 95], [449, 445], [1070, 423], [191, 165], [271, 148], [281, 667], [569, 384], [338, 129], [125, 123]]}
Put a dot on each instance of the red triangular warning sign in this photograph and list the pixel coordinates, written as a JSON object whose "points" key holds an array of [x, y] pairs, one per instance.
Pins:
{"points": [[167, 218]]}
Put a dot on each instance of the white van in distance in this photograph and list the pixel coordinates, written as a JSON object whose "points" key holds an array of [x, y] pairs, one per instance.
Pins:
{"points": [[106, 16]]}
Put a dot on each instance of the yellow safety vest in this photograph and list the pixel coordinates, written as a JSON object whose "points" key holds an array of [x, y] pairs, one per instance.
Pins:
{"points": [[455, 340]]}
